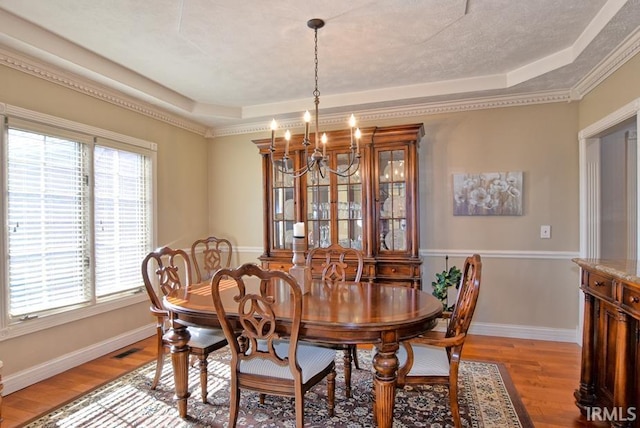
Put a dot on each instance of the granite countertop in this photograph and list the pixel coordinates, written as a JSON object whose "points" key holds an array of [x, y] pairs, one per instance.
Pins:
{"points": [[626, 270]]}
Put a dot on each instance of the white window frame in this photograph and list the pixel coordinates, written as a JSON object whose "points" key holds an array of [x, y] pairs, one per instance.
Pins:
{"points": [[10, 330]]}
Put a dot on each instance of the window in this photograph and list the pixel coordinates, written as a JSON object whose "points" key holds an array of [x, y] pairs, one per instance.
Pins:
{"points": [[79, 210]]}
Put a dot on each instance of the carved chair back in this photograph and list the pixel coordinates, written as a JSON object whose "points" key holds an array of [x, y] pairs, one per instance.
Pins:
{"points": [[209, 255], [170, 270], [256, 332], [338, 263], [465, 304]]}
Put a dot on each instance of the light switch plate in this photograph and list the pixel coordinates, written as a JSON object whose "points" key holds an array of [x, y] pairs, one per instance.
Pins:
{"points": [[545, 231]]}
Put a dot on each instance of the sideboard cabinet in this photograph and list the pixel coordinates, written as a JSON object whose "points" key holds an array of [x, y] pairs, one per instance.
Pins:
{"points": [[374, 210], [609, 389]]}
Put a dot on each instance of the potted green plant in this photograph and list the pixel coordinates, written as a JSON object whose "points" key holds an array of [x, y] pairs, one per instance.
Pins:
{"points": [[445, 279]]}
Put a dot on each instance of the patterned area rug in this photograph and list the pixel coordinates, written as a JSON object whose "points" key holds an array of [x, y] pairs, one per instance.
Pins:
{"points": [[487, 399]]}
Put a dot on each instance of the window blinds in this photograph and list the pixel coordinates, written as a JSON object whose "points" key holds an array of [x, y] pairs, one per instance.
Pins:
{"points": [[79, 211], [122, 195], [48, 222]]}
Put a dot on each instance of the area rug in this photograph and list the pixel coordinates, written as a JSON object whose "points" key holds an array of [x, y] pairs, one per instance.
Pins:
{"points": [[487, 399]]}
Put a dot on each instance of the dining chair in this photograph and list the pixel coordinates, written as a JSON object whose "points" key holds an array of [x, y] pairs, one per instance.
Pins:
{"points": [[435, 356], [166, 269], [209, 255], [262, 358], [337, 264]]}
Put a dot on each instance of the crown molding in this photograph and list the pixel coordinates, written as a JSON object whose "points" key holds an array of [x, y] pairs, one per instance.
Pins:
{"points": [[55, 75], [409, 111], [627, 49], [612, 62]]}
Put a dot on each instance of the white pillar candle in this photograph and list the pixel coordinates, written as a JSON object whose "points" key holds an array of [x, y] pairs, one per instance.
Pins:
{"points": [[298, 230]]}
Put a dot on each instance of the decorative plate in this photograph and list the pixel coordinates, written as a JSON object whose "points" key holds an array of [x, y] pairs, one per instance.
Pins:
{"points": [[398, 238], [289, 212]]}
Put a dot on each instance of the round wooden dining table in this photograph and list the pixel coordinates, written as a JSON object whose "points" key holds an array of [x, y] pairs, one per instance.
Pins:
{"points": [[335, 313]]}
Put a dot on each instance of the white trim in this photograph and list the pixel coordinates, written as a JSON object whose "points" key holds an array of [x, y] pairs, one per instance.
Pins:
{"points": [[496, 254], [93, 89], [409, 111], [39, 324], [623, 113], [501, 254], [249, 250], [24, 378], [29, 65], [23, 113], [519, 331], [616, 59]]}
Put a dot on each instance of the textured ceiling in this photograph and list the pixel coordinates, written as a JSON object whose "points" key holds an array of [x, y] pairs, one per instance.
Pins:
{"points": [[225, 62]]}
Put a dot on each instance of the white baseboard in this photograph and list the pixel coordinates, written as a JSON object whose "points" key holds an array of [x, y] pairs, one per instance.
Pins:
{"points": [[521, 332], [24, 378]]}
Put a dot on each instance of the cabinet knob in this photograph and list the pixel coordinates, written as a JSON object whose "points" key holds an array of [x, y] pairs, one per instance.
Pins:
{"points": [[634, 299], [598, 283], [394, 270]]}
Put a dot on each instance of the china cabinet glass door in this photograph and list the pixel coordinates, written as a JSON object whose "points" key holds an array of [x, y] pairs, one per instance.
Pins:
{"points": [[283, 206], [349, 206], [319, 213], [392, 186], [334, 206]]}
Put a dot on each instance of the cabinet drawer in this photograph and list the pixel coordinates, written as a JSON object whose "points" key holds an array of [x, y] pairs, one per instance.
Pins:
{"points": [[393, 270], [277, 265], [600, 285], [631, 299]]}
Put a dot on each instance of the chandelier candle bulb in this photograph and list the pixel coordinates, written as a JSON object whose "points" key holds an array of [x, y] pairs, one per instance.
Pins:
{"points": [[274, 125], [298, 230], [352, 124], [358, 135], [287, 138], [307, 119], [324, 145]]}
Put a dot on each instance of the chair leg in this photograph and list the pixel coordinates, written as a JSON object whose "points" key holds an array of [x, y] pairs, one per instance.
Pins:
{"points": [[347, 372], [354, 352], [299, 405], [261, 397], [331, 392], [203, 376], [233, 405], [159, 363], [453, 398]]}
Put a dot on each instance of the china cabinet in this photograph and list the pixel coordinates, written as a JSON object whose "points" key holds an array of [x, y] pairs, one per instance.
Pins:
{"points": [[374, 210]]}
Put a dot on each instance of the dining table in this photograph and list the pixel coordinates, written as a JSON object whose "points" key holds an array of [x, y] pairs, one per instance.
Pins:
{"points": [[382, 315]]}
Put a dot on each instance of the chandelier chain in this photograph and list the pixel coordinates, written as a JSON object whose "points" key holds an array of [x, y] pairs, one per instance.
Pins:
{"points": [[317, 161], [316, 92]]}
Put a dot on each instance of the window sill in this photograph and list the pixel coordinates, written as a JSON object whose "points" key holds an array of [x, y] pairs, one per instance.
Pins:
{"points": [[35, 325]]}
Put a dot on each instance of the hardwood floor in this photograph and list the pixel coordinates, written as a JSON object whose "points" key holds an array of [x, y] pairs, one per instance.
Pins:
{"points": [[544, 373]]}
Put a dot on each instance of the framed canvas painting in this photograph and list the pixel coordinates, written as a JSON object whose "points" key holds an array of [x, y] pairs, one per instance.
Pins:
{"points": [[489, 193]]}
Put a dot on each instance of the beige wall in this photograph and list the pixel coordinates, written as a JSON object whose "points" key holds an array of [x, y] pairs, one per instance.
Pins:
{"points": [[182, 205], [540, 140]]}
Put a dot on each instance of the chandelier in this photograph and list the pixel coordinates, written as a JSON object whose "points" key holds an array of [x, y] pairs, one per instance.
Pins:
{"points": [[316, 161]]}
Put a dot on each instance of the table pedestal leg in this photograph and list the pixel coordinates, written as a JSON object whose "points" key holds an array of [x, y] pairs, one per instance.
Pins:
{"points": [[385, 363], [178, 337]]}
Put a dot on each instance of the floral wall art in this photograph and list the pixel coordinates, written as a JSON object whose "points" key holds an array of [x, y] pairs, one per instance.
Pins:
{"points": [[489, 193]]}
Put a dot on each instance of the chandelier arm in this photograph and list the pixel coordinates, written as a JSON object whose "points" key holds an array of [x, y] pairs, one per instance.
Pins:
{"points": [[347, 172]]}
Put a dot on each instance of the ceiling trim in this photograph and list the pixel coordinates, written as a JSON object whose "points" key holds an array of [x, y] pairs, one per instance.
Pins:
{"points": [[627, 50], [55, 75], [616, 59], [414, 110]]}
